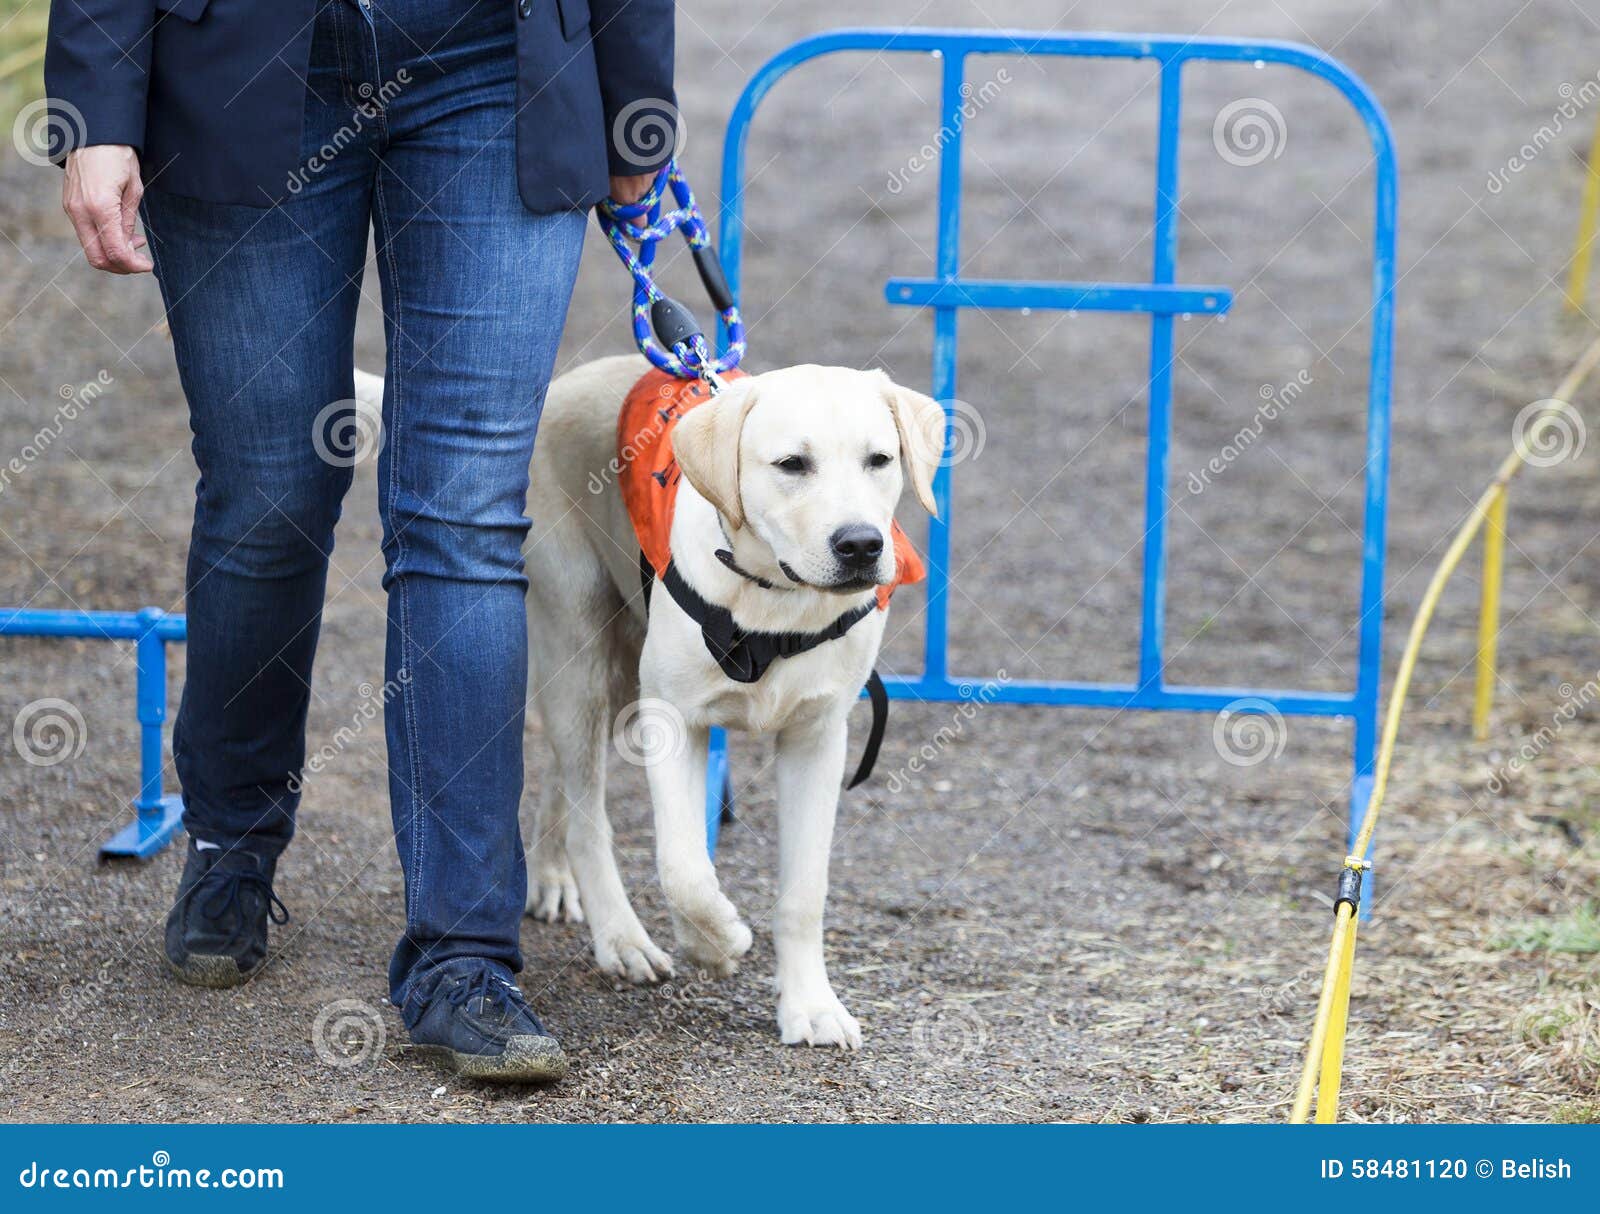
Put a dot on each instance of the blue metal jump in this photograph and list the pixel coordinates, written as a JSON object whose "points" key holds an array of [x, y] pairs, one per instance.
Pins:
{"points": [[946, 293], [157, 815]]}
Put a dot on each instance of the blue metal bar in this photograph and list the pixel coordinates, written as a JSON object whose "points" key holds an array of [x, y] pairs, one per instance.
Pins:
{"points": [[1059, 296], [1121, 695], [719, 788], [93, 625], [946, 319], [157, 815], [1153, 601]]}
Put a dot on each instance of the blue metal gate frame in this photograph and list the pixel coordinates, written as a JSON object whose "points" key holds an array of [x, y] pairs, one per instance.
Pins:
{"points": [[157, 814], [947, 293]]}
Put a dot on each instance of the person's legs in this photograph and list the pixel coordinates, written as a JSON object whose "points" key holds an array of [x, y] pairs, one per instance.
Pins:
{"points": [[475, 292], [261, 304]]}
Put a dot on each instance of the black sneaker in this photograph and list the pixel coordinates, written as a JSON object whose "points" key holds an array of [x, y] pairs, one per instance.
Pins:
{"points": [[477, 1023], [217, 930]]}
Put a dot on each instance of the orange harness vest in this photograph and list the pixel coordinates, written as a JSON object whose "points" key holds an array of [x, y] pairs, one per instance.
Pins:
{"points": [[649, 476]]}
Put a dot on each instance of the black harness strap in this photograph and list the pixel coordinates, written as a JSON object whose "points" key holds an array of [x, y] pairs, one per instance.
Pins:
{"points": [[744, 656]]}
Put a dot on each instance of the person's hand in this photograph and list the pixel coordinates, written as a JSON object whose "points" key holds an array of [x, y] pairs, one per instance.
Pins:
{"points": [[628, 190], [101, 196]]}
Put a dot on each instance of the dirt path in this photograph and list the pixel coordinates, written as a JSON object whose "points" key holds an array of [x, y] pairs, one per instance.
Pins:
{"points": [[1059, 914]]}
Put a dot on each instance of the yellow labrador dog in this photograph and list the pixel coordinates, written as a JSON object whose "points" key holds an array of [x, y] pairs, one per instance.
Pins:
{"points": [[793, 475]]}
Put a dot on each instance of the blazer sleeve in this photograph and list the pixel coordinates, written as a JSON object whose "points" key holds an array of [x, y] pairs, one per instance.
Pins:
{"points": [[633, 49], [97, 72]]}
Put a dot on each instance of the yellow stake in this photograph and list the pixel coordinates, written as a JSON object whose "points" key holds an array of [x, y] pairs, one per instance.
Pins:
{"points": [[1578, 275], [1494, 559], [1319, 1029], [1333, 1047], [1327, 1037]]}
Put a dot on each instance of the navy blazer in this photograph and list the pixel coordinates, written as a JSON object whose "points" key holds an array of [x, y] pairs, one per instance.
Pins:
{"points": [[211, 92]]}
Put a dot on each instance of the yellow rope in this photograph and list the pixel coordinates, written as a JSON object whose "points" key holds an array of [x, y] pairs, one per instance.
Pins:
{"points": [[1494, 560], [1325, 1052]]}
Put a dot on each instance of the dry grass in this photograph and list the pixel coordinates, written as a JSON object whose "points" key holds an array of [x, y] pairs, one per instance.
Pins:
{"points": [[22, 28]]}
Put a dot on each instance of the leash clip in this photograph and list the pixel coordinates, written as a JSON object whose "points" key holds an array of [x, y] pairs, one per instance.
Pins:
{"points": [[665, 331]]}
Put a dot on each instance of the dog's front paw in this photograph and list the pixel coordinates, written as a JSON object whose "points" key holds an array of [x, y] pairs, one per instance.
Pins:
{"points": [[553, 894], [714, 945], [820, 1020], [628, 953]]}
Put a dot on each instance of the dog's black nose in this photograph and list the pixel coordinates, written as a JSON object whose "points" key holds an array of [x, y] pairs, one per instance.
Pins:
{"points": [[857, 545]]}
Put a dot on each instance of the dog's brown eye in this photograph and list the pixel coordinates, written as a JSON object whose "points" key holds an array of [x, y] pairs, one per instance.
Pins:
{"points": [[879, 460], [794, 463]]}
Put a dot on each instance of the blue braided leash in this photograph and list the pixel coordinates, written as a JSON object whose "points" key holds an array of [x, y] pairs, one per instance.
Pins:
{"points": [[666, 331]]}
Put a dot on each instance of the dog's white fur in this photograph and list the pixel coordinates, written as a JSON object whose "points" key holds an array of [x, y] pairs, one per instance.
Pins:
{"points": [[596, 650], [592, 644]]}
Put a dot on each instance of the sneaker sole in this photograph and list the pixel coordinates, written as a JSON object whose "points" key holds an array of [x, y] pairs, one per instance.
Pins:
{"points": [[213, 972], [525, 1060]]}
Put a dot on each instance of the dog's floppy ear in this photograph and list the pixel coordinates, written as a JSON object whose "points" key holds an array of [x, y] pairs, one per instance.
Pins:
{"points": [[921, 423], [706, 444]]}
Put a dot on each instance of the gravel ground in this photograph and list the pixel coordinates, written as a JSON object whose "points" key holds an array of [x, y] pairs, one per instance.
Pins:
{"points": [[1037, 914]]}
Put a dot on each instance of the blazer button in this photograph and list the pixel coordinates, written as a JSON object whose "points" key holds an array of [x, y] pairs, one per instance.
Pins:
{"points": [[525, 7]]}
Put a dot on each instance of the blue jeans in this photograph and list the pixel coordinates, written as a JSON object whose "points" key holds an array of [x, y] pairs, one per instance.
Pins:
{"points": [[409, 129]]}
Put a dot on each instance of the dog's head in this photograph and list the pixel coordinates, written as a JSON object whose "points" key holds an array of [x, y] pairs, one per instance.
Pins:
{"points": [[808, 460]]}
